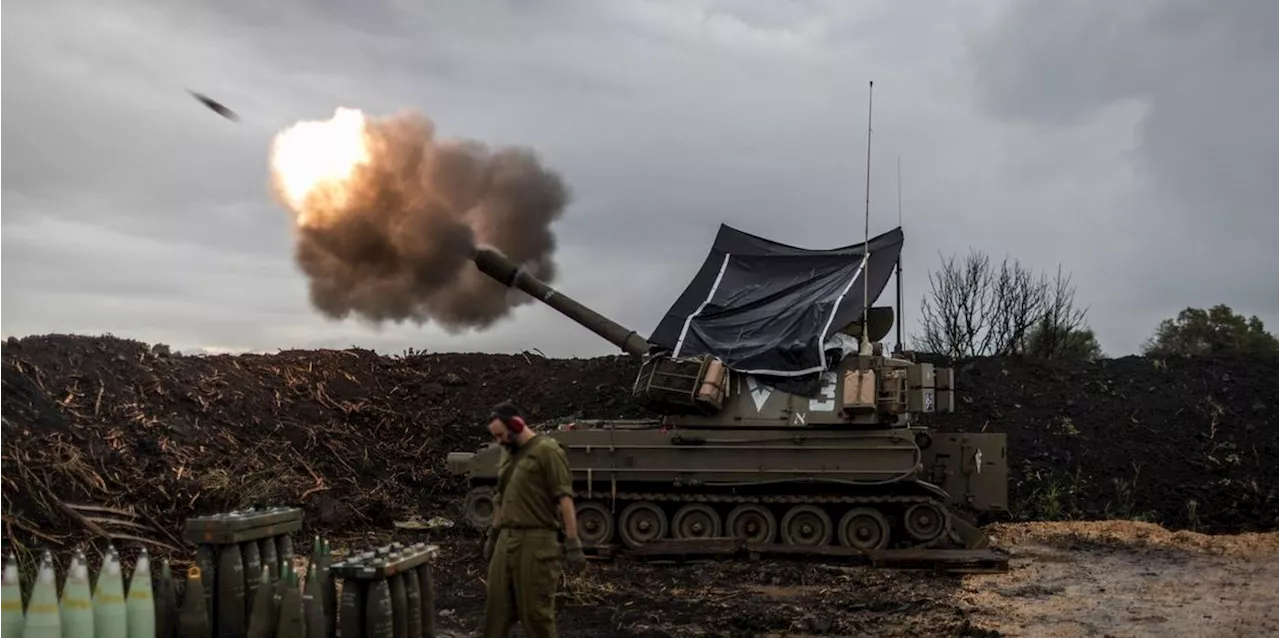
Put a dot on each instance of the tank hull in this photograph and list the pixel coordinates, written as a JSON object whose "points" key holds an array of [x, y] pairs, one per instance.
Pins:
{"points": [[638, 482]]}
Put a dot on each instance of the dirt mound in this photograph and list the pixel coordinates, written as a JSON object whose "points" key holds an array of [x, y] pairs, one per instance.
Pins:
{"points": [[1136, 535], [1188, 443], [360, 439]]}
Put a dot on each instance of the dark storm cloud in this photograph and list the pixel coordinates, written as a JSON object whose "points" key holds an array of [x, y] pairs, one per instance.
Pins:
{"points": [[132, 209], [1204, 76]]}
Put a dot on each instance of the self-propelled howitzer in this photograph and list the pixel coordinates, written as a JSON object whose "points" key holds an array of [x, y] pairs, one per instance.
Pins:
{"points": [[834, 456]]}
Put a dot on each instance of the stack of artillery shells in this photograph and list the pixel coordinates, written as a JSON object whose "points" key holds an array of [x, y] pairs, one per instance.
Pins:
{"points": [[234, 552], [387, 592]]}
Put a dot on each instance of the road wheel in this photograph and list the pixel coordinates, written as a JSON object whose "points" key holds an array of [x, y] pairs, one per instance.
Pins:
{"points": [[595, 523], [477, 508], [696, 520], [806, 525], [642, 523], [925, 522], [864, 528], [752, 522]]}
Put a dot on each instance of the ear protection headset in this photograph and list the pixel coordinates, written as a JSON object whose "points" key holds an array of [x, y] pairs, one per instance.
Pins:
{"points": [[509, 416], [515, 423]]}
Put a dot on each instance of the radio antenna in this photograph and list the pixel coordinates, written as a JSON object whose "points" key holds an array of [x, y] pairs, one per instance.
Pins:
{"points": [[898, 276], [899, 190], [866, 237]]}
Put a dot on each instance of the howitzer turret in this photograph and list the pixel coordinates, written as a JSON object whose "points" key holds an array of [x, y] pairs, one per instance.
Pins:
{"points": [[768, 430]]}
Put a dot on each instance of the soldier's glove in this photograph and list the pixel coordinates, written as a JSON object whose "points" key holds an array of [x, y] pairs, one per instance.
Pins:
{"points": [[490, 542], [573, 557]]}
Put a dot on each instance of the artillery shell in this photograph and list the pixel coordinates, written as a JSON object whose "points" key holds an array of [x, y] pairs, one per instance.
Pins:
{"points": [[284, 548], [166, 603], [378, 621], [313, 574], [252, 572], [313, 603], [230, 603], [351, 616], [12, 619], [279, 587], [413, 603], [399, 602], [262, 619], [194, 619], [267, 554], [290, 623], [43, 619], [206, 559], [139, 602], [110, 615], [427, 591], [329, 589], [77, 600]]}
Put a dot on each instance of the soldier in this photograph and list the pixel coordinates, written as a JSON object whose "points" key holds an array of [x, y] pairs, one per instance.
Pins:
{"points": [[534, 496]]}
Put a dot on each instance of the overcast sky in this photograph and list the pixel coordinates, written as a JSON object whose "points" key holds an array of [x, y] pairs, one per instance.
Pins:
{"points": [[1134, 143]]}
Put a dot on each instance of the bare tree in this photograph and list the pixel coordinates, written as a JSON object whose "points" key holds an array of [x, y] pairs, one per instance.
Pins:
{"points": [[975, 309]]}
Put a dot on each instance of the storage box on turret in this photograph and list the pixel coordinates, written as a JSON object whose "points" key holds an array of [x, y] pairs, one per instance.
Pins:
{"points": [[387, 591], [944, 382], [700, 383], [920, 388]]}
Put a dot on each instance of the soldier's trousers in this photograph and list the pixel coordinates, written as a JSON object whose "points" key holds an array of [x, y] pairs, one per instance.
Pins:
{"points": [[524, 574]]}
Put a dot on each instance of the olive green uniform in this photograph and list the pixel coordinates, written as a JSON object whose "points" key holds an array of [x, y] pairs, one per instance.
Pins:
{"points": [[525, 569]]}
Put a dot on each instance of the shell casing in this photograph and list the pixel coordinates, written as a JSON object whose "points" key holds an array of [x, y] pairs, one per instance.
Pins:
{"points": [[110, 614], [44, 619], [139, 601], [77, 599], [193, 620]]}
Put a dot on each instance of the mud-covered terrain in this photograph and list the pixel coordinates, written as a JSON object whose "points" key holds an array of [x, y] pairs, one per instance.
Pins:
{"points": [[1125, 578], [360, 440], [1065, 580]]}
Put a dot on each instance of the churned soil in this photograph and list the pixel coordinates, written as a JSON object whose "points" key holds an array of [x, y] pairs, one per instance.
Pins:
{"points": [[1066, 580], [358, 439], [1188, 443], [721, 598]]}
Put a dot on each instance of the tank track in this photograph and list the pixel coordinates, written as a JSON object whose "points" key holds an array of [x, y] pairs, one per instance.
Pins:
{"points": [[777, 499], [895, 530], [885, 510]]}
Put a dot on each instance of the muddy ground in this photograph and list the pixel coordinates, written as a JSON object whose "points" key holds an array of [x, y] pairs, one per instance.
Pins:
{"points": [[359, 440], [1067, 579], [1123, 578]]}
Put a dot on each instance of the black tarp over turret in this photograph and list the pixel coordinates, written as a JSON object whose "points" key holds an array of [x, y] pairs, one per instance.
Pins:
{"points": [[767, 309]]}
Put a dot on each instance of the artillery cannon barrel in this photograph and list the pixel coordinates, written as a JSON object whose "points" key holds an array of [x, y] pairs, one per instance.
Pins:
{"points": [[507, 273]]}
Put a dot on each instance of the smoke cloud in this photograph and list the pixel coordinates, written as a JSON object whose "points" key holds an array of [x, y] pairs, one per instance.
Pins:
{"points": [[387, 218]]}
